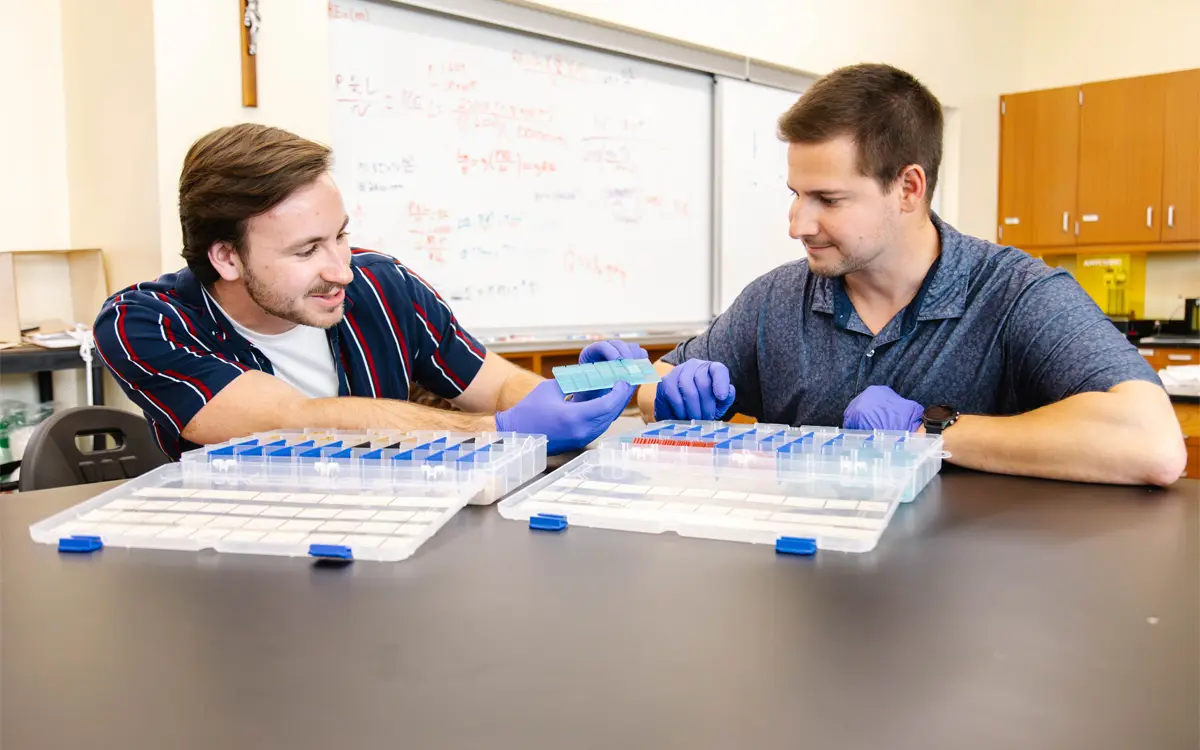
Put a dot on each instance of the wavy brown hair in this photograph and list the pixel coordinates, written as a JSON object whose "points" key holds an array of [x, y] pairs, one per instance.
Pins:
{"points": [[893, 119], [234, 174]]}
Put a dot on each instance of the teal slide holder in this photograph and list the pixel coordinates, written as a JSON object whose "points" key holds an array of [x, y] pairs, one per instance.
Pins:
{"points": [[596, 376]]}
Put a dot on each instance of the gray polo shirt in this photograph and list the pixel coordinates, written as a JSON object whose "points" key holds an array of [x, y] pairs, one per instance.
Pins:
{"points": [[992, 330]]}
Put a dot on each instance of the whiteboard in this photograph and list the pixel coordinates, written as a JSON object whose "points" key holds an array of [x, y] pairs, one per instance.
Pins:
{"points": [[535, 184], [754, 197]]}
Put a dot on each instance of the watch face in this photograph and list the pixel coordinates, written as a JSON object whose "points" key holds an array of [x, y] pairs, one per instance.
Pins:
{"points": [[939, 413]]}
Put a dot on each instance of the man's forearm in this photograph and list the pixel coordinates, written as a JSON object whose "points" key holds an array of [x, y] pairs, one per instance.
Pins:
{"points": [[1114, 438], [353, 413], [516, 386], [256, 401]]}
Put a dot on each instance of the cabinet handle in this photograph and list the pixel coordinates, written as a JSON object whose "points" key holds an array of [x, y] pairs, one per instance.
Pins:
{"points": [[1149, 216], [1170, 217], [1066, 216], [1180, 357], [1077, 229]]}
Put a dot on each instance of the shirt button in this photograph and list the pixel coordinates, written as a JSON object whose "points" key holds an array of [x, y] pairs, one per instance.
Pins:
{"points": [[871, 353]]}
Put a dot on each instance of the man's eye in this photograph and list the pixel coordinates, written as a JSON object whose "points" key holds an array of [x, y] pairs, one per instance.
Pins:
{"points": [[308, 252], [830, 201]]}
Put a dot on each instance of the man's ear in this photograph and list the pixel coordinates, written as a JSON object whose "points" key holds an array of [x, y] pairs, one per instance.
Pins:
{"points": [[913, 186], [225, 260]]}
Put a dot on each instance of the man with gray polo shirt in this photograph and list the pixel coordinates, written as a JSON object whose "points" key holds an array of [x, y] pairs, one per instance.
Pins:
{"points": [[897, 321]]}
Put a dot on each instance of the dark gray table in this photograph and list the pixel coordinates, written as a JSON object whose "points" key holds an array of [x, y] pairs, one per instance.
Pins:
{"points": [[997, 613]]}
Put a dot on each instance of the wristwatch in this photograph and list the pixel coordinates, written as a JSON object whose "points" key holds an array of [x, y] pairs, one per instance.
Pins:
{"points": [[938, 417]]}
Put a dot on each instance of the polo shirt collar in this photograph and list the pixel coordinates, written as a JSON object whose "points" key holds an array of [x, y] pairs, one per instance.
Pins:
{"points": [[946, 294]]}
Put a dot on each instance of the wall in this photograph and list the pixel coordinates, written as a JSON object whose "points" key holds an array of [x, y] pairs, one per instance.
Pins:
{"points": [[1170, 278], [188, 82], [33, 193], [1070, 42], [197, 60], [968, 53], [197, 43], [1066, 42], [34, 205], [108, 75], [950, 45]]}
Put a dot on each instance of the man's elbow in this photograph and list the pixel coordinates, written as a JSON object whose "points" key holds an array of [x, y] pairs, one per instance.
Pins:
{"points": [[1152, 440], [1163, 458]]}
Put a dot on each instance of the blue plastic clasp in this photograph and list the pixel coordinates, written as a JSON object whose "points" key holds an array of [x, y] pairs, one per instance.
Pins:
{"points": [[331, 551], [80, 543], [795, 545], [548, 522]]}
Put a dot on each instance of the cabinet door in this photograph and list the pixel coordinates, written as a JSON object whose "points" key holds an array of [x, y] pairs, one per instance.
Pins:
{"points": [[1039, 153], [1121, 161], [1180, 357], [1181, 158]]}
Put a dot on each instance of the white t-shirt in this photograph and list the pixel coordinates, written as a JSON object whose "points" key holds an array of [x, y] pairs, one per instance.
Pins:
{"points": [[301, 357]]}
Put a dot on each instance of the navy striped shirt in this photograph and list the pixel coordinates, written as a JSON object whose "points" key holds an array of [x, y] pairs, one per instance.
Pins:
{"points": [[172, 349]]}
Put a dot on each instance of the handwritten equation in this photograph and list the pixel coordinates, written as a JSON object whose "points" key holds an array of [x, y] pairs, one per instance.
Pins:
{"points": [[513, 291], [439, 236], [567, 69], [518, 174], [339, 12], [360, 95], [590, 265], [501, 161]]}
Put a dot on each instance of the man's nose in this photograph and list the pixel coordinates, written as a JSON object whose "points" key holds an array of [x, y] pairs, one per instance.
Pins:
{"points": [[339, 273], [802, 221]]}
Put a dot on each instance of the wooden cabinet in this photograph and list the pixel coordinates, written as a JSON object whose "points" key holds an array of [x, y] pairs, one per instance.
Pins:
{"points": [[1181, 170], [1039, 146], [1160, 357], [1106, 167], [1121, 161], [1189, 422]]}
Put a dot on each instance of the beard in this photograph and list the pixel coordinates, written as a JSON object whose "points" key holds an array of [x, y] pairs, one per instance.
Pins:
{"points": [[291, 310], [840, 267], [837, 264]]}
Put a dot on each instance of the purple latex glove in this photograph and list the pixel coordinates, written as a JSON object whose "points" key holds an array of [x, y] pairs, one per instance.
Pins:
{"points": [[569, 425], [881, 408], [606, 351], [696, 389]]}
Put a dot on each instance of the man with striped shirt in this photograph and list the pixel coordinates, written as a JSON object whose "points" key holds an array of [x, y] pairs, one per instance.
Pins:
{"points": [[278, 323]]}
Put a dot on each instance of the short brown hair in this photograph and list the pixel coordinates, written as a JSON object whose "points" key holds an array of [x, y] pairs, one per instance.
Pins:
{"points": [[894, 120], [234, 174]]}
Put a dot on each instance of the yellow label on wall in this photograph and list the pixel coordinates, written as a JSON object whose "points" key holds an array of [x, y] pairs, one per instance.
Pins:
{"points": [[1117, 283]]}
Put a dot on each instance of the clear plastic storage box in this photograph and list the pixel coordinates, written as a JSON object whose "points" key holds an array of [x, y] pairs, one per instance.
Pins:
{"points": [[340, 459], [749, 483], [373, 495]]}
